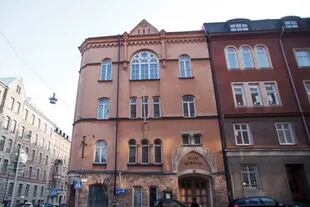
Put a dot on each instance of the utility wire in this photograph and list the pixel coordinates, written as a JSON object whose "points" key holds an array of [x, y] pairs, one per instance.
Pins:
{"points": [[29, 68]]}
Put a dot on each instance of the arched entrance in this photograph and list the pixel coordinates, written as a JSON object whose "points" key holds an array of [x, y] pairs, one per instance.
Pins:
{"points": [[97, 196], [195, 179]]}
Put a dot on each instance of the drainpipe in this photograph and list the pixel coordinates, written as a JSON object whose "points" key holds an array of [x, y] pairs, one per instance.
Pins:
{"points": [[288, 69], [220, 119], [117, 117]]}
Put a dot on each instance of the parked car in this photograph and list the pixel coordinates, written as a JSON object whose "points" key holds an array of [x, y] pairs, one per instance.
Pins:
{"points": [[257, 201], [168, 203], [27, 204], [48, 205]]}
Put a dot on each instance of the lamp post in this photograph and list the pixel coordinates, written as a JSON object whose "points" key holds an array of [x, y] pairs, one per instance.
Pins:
{"points": [[21, 158]]}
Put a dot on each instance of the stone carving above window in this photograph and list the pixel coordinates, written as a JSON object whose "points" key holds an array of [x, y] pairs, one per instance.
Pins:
{"points": [[144, 28]]}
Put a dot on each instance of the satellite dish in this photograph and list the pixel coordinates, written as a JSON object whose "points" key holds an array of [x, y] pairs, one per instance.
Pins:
{"points": [[53, 99]]}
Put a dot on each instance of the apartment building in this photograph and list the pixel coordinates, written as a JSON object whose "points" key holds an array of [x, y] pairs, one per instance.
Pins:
{"points": [[261, 72], [23, 126]]}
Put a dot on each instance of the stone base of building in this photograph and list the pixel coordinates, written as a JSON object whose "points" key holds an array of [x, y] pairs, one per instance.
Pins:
{"points": [[210, 191]]}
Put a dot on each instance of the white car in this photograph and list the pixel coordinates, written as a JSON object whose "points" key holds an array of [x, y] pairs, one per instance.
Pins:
{"points": [[28, 204]]}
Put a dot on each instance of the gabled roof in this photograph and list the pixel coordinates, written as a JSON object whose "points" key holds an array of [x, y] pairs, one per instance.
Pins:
{"points": [[144, 27], [8, 80]]}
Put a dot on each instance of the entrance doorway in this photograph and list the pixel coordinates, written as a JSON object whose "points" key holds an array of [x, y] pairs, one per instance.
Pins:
{"points": [[194, 187], [297, 181], [97, 196]]}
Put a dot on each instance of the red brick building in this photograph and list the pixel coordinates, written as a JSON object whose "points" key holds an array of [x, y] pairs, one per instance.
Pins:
{"points": [[146, 121], [261, 74]]}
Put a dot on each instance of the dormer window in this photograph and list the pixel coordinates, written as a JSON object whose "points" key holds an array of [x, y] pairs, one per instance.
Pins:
{"points": [[290, 24], [237, 27]]}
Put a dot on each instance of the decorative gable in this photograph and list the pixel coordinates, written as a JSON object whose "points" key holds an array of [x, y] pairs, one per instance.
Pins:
{"points": [[144, 27]]}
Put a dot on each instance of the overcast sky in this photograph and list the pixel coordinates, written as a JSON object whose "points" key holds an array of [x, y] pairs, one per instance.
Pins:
{"points": [[46, 34]]}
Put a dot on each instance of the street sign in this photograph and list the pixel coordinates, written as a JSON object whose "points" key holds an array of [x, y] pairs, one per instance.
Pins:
{"points": [[120, 191], [54, 192], [78, 184]]}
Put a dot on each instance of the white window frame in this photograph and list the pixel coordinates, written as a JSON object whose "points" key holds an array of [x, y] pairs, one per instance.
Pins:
{"points": [[191, 140], [161, 151], [238, 27], [266, 54], [183, 59], [275, 91], [141, 194], [296, 57], [148, 151], [133, 103], [249, 52], [290, 130], [258, 91], [105, 67], [104, 105], [6, 123], [240, 132], [103, 151], [145, 111], [245, 170], [131, 146], [188, 103], [291, 24], [240, 86], [139, 59], [156, 103], [227, 53]]}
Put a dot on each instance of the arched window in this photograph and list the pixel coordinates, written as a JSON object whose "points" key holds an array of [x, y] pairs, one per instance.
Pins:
{"points": [[101, 152], [132, 151], [106, 70], [247, 57], [232, 58], [144, 65], [145, 151], [262, 57], [103, 108], [185, 66], [158, 151], [189, 106]]}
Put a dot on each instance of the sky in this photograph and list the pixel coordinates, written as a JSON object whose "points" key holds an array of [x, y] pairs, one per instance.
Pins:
{"points": [[39, 39]]}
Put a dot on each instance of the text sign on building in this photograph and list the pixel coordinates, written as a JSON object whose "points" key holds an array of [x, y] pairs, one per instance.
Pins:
{"points": [[193, 160]]}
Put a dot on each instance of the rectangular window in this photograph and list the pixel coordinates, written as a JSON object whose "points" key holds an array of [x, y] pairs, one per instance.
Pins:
{"points": [[137, 196], [30, 172], [21, 131], [33, 155], [19, 191], [285, 133], [36, 139], [9, 146], [42, 191], [17, 107], [191, 139], [26, 114], [44, 175], [255, 94], [11, 103], [13, 126], [153, 195], [10, 189], [290, 24], [133, 107], [5, 166], [39, 123], [35, 191], [2, 143], [249, 175], [238, 91], [239, 27], [156, 103], [272, 93], [45, 127], [33, 119], [145, 107], [6, 122], [189, 106], [242, 134], [303, 57], [27, 190], [38, 174]]}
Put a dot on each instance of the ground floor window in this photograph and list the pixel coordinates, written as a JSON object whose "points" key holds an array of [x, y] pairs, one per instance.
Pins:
{"points": [[249, 175], [137, 196], [97, 196]]}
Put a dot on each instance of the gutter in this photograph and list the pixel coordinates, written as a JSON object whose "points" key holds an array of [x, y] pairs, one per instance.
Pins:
{"points": [[288, 69], [116, 118], [220, 119]]}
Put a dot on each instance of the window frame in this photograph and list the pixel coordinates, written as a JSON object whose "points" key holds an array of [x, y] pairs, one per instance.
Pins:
{"points": [[133, 104], [239, 27], [138, 55], [250, 53], [307, 90], [147, 146], [191, 139], [135, 148], [103, 151], [159, 108], [183, 59], [291, 131], [145, 111], [291, 24], [248, 130], [266, 54], [240, 85], [276, 91], [236, 58], [105, 67], [296, 50], [140, 196], [249, 177], [158, 143], [188, 106], [259, 92], [6, 123], [103, 102]]}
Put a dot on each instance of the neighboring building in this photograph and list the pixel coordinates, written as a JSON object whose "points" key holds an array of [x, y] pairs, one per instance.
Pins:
{"points": [[264, 112], [24, 126], [146, 121]]}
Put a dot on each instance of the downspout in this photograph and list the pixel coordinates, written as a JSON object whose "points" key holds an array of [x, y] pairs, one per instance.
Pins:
{"points": [[117, 117], [288, 69], [220, 119]]}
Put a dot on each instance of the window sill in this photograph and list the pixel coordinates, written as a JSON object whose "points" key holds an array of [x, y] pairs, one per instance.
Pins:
{"points": [[102, 81], [98, 163], [144, 164], [184, 78], [144, 80], [189, 117], [288, 144], [191, 145]]}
